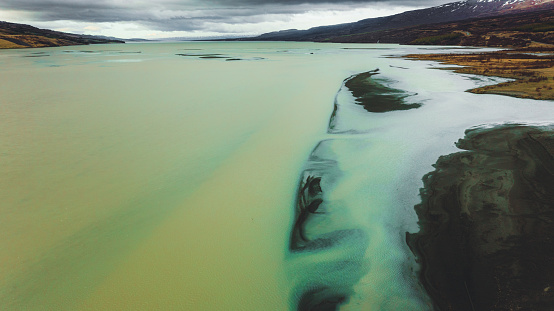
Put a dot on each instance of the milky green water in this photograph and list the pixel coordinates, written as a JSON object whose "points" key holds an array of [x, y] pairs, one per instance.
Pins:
{"points": [[135, 178]]}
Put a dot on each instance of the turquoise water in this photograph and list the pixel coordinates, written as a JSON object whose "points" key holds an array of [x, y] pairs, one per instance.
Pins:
{"points": [[137, 178]]}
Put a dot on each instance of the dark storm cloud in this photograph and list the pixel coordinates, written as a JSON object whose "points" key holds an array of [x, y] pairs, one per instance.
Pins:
{"points": [[186, 15], [295, 2]]}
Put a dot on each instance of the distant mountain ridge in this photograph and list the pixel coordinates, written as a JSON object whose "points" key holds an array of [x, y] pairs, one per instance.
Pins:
{"points": [[522, 30], [450, 12], [13, 35]]}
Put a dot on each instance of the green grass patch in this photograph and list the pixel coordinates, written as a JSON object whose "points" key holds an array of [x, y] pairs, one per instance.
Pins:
{"points": [[437, 39], [537, 27]]}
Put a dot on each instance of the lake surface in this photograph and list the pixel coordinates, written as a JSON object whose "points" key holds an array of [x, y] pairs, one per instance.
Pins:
{"points": [[166, 175]]}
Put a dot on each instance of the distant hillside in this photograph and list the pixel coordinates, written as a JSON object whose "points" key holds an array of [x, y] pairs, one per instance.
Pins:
{"points": [[24, 36], [450, 12], [518, 30]]}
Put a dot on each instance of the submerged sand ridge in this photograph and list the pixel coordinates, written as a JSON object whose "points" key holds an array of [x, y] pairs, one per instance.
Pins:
{"points": [[487, 222], [326, 229]]}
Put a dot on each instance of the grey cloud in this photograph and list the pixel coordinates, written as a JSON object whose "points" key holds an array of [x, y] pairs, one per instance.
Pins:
{"points": [[298, 2], [183, 15]]}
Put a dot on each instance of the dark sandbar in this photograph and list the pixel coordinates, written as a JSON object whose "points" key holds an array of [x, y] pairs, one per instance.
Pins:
{"points": [[375, 96], [213, 57], [487, 222], [210, 55]]}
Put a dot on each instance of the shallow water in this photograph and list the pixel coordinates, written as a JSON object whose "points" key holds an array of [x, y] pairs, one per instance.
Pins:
{"points": [[134, 177]]}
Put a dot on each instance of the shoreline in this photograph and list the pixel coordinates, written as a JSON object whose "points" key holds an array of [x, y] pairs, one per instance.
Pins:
{"points": [[531, 68]]}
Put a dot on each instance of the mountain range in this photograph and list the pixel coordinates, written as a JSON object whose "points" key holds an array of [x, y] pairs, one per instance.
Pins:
{"points": [[522, 30], [451, 12], [508, 23], [14, 35]]}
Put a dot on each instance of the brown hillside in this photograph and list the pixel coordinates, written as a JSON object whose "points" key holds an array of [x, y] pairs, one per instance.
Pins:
{"points": [[24, 36], [518, 30]]}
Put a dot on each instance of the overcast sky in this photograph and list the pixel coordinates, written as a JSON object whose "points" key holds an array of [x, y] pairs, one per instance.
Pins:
{"points": [[195, 18]]}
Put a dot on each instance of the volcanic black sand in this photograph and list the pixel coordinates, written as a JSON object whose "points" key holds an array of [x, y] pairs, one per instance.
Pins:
{"points": [[375, 95], [487, 222]]}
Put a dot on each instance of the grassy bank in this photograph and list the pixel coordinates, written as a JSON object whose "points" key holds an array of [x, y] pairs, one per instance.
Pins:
{"points": [[532, 69]]}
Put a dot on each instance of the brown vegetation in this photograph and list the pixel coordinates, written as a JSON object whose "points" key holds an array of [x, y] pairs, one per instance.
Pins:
{"points": [[532, 69], [516, 31], [14, 36]]}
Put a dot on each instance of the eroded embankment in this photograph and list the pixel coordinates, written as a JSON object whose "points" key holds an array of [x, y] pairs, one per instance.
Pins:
{"points": [[487, 222]]}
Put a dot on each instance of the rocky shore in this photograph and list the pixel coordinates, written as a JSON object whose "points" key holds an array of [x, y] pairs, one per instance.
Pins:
{"points": [[486, 239]]}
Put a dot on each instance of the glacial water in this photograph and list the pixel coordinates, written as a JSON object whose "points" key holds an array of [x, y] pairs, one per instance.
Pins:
{"points": [[167, 176]]}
